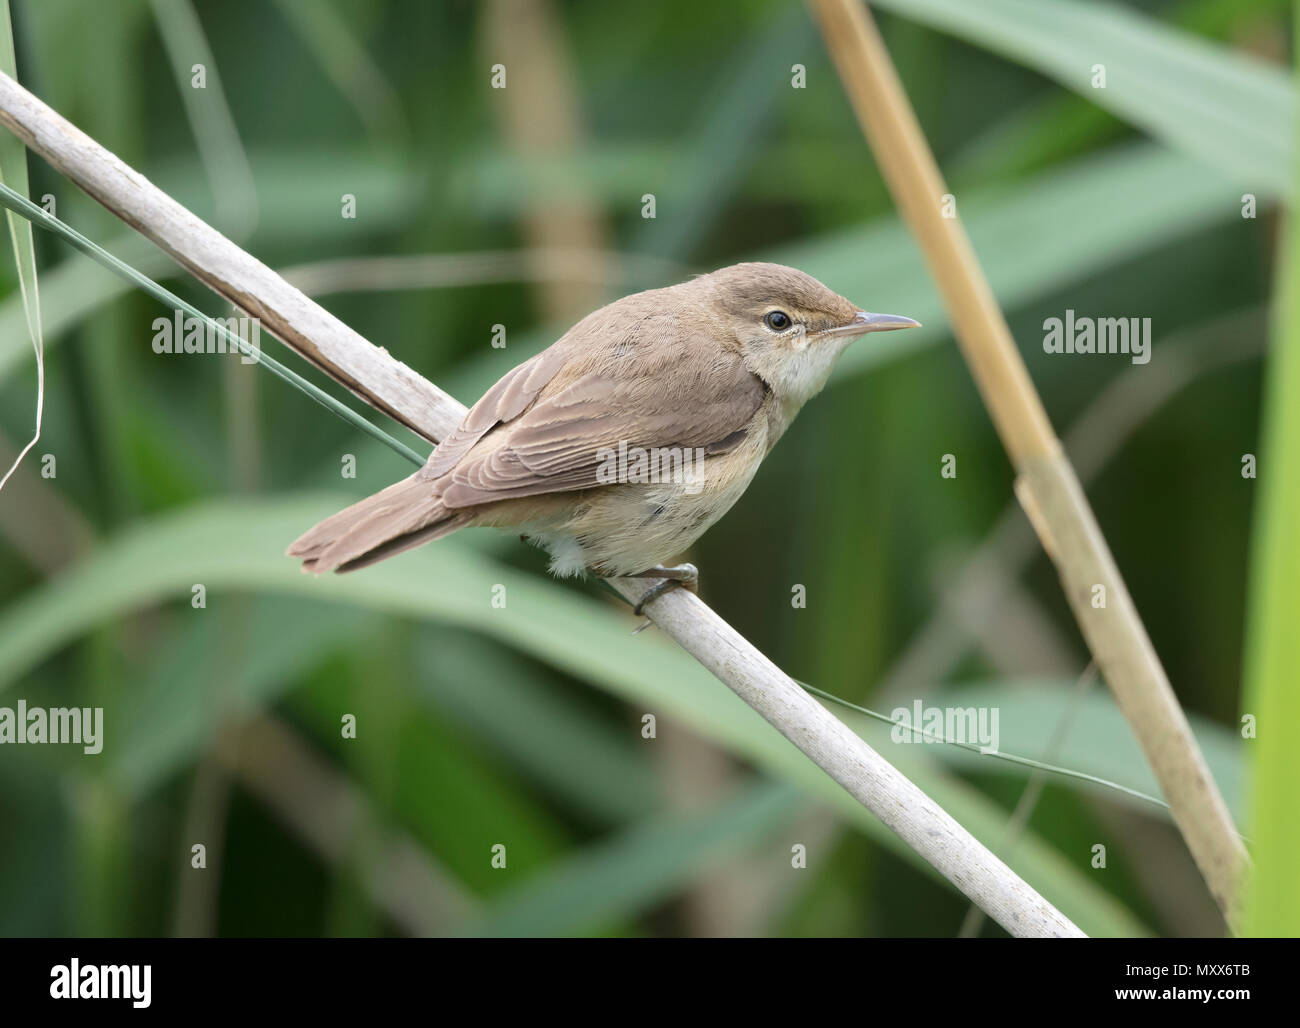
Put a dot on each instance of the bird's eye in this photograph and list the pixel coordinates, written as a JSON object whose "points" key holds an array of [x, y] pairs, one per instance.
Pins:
{"points": [[777, 321]]}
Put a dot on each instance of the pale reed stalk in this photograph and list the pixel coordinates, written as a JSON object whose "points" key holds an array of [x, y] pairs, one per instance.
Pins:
{"points": [[395, 389], [1047, 485]]}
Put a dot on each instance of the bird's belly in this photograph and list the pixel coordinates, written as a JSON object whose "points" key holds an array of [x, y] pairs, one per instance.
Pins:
{"points": [[627, 528]]}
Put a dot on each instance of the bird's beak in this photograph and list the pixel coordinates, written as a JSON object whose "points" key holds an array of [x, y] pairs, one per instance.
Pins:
{"points": [[863, 322]]}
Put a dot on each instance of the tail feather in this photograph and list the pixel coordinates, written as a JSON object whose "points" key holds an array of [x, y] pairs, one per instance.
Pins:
{"points": [[402, 543], [404, 515]]}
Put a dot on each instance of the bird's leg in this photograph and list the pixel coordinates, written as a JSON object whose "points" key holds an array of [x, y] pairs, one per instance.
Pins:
{"points": [[686, 575]]}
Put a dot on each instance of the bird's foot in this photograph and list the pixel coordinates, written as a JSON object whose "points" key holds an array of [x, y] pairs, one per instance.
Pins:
{"points": [[684, 575]]}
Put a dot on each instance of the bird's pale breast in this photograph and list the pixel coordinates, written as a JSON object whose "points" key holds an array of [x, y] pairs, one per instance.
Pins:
{"points": [[630, 527]]}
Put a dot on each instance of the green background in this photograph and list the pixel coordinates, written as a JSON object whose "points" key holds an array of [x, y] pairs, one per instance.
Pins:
{"points": [[522, 726]]}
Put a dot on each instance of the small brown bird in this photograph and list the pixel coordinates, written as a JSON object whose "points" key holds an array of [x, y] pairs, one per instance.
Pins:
{"points": [[616, 447]]}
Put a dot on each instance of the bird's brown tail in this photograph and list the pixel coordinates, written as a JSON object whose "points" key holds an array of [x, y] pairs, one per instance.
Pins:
{"points": [[404, 515]]}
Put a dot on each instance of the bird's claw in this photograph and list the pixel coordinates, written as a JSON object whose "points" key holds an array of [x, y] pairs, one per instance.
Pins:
{"points": [[687, 575]]}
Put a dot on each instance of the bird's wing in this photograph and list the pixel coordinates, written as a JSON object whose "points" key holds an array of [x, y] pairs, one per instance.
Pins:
{"points": [[513, 393], [697, 397]]}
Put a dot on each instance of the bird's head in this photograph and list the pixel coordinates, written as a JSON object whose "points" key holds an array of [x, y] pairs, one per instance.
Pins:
{"points": [[788, 327]]}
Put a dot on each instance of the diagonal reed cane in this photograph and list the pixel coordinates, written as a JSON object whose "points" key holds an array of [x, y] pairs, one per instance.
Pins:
{"points": [[387, 385], [1046, 483]]}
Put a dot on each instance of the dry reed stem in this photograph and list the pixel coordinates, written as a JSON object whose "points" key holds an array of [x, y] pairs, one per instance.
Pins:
{"points": [[1047, 485], [390, 386]]}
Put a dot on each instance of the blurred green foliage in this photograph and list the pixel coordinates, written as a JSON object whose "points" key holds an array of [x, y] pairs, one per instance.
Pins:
{"points": [[522, 726]]}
